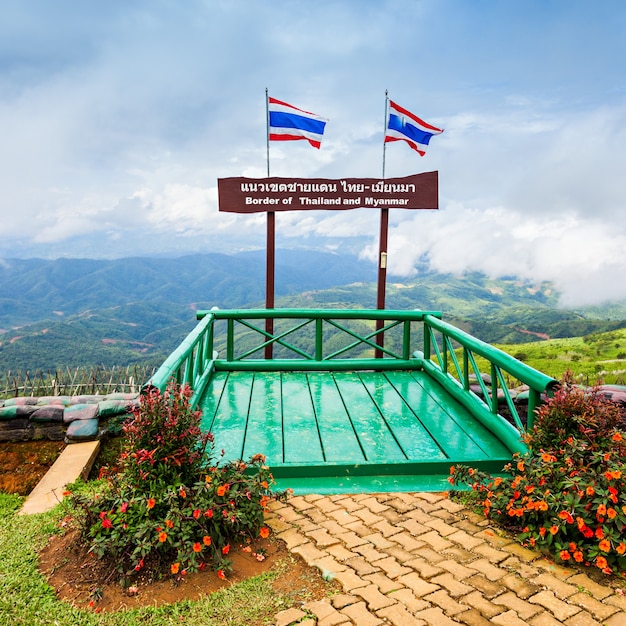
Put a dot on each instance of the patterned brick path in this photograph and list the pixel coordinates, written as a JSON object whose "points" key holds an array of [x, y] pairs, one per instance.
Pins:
{"points": [[412, 559]]}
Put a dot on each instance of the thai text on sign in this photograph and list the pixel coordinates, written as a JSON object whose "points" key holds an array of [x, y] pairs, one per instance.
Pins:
{"points": [[252, 195]]}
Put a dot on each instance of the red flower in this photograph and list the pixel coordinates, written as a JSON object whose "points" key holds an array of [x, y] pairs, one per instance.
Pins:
{"points": [[220, 574], [107, 523], [599, 533], [151, 503], [197, 547], [124, 507], [208, 513], [226, 549], [196, 513]]}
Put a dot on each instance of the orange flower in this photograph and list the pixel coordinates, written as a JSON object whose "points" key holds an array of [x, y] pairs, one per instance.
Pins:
{"points": [[174, 568], [520, 466], [169, 523], [226, 549], [621, 548], [206, 540], [264, 484], [162, 536], [151, 503], [264, 532], [611, 513], [197, 547], [221, 490], [599, 533], [578, 556], [590, 490], [617, 474], [451, 469], [554, 530], [542, 531], [182, 493], [566, 515], [564, 554], [605, 545], [497, 481], [601, 562], [617, 437], [220, 574]]}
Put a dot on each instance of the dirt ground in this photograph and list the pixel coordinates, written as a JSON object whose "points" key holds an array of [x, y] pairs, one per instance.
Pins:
{"points": [[81, 579], [23, 464]]}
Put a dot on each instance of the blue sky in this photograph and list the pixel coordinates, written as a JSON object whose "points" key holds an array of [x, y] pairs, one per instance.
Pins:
{"points": [[118, 118]]}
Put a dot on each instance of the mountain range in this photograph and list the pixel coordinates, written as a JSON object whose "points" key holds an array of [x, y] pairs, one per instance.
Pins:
{"points": [[81, 312]]}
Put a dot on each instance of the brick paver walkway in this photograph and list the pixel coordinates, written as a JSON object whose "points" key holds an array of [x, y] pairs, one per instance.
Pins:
{"points": [[412, 559]]}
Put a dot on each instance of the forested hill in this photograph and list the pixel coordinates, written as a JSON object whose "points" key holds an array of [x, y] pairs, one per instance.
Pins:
{"points": [[37, 289], [72, 312]]}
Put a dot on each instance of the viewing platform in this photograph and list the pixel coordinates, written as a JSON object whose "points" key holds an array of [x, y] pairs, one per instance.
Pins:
{"points": [[339, 402]]}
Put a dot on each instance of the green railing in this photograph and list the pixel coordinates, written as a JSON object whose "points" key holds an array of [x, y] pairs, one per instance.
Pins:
{"points": [[320, 340], [442, 345]]}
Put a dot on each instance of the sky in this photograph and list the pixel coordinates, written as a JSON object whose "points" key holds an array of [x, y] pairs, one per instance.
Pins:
{"points": [[117, 118]]}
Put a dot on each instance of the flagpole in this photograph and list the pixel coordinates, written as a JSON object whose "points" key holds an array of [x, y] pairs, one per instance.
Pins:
{"points": [[382, 255], [270, 245]]}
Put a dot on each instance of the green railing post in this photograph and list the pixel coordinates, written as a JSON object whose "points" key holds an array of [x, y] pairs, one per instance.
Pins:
{"points": [[466, 383], [230, 339], [319, 339], [494, 389], [406, 340]]}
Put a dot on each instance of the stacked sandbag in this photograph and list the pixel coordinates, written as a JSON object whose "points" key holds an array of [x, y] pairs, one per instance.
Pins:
{"points": [[69, 418]]}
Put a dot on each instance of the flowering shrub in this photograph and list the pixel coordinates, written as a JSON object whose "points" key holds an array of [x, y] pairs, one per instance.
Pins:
{"points": [[170, 507], [567, 496]]}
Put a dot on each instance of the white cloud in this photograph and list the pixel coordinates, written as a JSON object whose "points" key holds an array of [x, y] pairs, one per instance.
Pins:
{"points": [[117, 121]]}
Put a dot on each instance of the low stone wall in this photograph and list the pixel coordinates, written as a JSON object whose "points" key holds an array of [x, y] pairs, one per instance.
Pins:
{"points": [[68, 418]]}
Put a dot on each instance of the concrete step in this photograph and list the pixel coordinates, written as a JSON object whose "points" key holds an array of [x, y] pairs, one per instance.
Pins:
{"points": [[74, 462]]}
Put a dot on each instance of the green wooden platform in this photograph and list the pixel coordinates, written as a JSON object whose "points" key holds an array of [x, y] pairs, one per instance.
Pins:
{"points": [[347, 432], [346, 401]]}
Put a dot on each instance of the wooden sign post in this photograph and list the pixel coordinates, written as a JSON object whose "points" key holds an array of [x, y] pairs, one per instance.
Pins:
{"points": [[254, 195]]}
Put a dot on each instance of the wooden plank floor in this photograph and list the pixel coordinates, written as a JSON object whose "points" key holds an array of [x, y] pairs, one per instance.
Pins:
{"points": [[324, 429]]}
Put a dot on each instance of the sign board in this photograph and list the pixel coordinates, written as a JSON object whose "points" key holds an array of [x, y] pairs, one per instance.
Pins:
{"points": [[254, 195]]}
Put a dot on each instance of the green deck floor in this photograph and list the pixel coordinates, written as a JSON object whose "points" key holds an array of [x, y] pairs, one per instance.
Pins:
{"points": [[347, 432]]}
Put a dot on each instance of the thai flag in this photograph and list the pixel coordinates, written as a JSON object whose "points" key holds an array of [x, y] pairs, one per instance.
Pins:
{"points": [[404, 126], [288, 123]]}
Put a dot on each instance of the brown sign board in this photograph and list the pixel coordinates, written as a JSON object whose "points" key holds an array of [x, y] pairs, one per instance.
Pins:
{"points": [[254, 195]]}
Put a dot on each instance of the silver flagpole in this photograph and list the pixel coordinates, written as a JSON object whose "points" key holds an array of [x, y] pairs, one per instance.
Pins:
{"points": [[385, 130], [267, 130]]}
